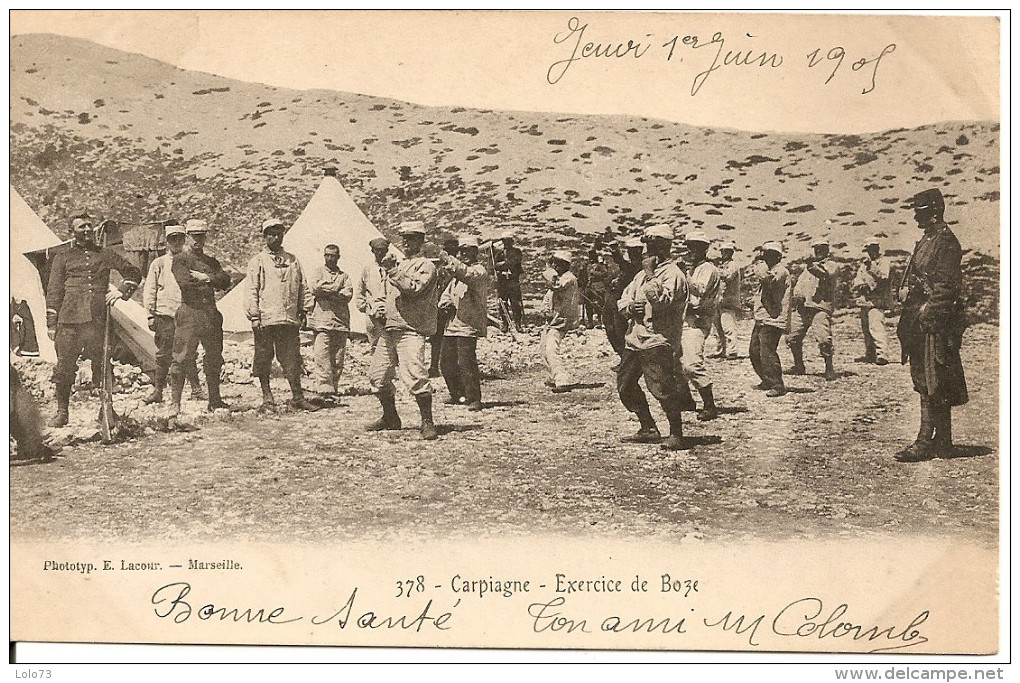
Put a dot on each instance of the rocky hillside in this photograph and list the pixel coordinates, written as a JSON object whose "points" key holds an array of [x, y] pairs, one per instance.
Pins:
{"points": [[134, 139]]}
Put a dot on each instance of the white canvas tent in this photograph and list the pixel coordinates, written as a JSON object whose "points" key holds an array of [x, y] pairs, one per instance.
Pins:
{"points": [[30, 235], [331, 217]]}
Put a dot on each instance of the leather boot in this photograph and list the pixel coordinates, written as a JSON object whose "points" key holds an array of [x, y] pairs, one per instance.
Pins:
{"points": [[63, 401], [830, 371], [942, 441], [709, 410], [158, 384], [176, 390], [298, 400], [428, 426], [797, 349], [675, 441], [648, 432], [390, 419], [268, 402], [215, 400], [921, 449], [196, 387]]}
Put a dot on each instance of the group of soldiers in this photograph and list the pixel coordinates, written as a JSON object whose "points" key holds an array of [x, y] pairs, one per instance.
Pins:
{"points": [[658, 313]]}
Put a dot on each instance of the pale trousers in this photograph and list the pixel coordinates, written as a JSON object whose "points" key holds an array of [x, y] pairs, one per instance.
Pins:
{"points": [[692, 341], [552, 338], [875, 335], [329, 347], [728, 324], [403, 349]]}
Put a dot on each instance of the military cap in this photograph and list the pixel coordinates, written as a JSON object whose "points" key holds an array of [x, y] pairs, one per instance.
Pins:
{"points": [[929, 199], [412, 228], [697, 236], [271, 223], [662, 231], [379, 243], [727, 246], [773, 246], [821, 242], [175, 229], [562, 255], [633, 243], [469, 241], [79, 222], [196, 225], [873, 242], [507, 235]]}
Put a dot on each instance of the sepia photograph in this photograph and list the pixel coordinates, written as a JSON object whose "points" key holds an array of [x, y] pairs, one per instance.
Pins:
{"points": [[542, 330]]}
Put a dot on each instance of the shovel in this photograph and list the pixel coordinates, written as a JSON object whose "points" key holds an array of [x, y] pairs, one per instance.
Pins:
{"points": [[107, 418]]}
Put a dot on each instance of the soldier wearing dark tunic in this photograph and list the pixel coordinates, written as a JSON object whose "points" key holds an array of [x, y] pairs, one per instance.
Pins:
{"points": [[931, 328], [76, 301]]}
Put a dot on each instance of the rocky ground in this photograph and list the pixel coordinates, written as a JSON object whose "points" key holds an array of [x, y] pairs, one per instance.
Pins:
{"points": [[814, 463]]}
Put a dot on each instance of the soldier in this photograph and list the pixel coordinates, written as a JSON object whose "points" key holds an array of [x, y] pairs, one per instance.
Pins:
{"points": [[871, 287], [595, 291], [466, 300], [703, 306], [629, 265], [371, 294], [771, 313], [330, 320], [277, 298], [161, 297], [197, 320], [76, 306], [443, 278], [509, 267], [811, 309], [931, 328], [730, 303], [654, 303], [561, 304], [411, 310]]}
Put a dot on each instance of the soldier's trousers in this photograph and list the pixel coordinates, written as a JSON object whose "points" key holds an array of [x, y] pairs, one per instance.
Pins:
{"points": [[459, 365], [165, 331], [693, 344], [194, 326], [282, 341], [403, 350], [765, 356], [551, 340], [876, 338], [73, 341], [726, 331], [510, 293], [616, 326], [657, 366], [814, 324], [329, 348]]}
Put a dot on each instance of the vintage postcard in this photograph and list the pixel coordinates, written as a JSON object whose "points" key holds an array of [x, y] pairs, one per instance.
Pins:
{"points": [[545, 330]]}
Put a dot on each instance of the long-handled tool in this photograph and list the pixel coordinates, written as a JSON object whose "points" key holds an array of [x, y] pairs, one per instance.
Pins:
{"points": [[504, 310], [107, 417]]}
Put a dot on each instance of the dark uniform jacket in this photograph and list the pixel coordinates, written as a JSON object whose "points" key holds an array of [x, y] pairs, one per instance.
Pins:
{"points": [[933, 319], [194, 293], [79, 280]]}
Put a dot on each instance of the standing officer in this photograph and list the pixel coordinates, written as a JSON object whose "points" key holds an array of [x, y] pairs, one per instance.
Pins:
{"points": [[562, 308], [702, 308], [466, 300], [931, 328], [197, 320], [629, 265], [371, 294], [509, 268], [161, 298], [811, 312], [277, 298], [654, 304], [411, 310], [330, 319], [76, 306], [871, 286], [730, 303], [771, 314]]}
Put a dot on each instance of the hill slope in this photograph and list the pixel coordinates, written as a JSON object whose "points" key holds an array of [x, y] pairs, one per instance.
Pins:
{"points": [[135, 139]]}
